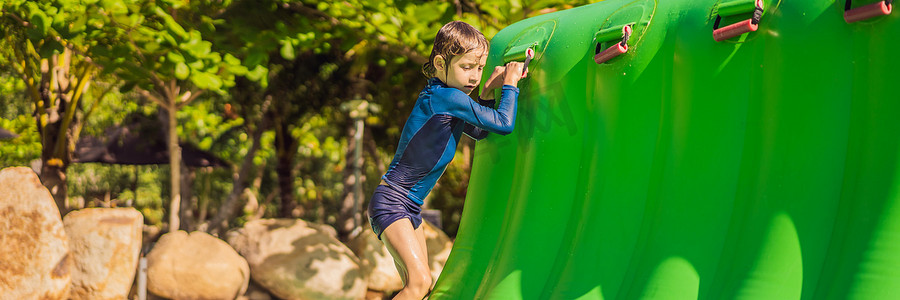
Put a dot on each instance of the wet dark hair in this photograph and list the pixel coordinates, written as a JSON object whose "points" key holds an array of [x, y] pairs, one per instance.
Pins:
{"points": [[454, 38]]}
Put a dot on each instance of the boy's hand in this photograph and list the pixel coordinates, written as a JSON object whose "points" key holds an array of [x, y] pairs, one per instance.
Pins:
{"points": [[514, 73], [494, 81]]}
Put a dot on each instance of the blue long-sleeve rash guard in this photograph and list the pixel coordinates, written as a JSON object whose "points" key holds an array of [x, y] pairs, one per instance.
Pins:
{"points": [[429, 138]]}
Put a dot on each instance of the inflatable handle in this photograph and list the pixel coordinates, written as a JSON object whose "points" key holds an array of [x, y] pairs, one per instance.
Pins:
{"points": [[614, 50], [869, 11], [739, 28], [731, 8], [612, 33], [519, 53]]}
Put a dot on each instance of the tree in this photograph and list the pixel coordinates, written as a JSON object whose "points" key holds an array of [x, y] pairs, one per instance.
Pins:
{"points": [[373, 41], [158, 49], [56, 76], [250, 104], [304, 69]]}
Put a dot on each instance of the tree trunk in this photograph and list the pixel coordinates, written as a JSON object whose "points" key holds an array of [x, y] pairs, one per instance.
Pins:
{"points": [[134, 186], [372, 148], [53, 167], [285, 152], [230, 207], [57, 134], [53, 177], [187, 196], [203, 201], [174, 166]]}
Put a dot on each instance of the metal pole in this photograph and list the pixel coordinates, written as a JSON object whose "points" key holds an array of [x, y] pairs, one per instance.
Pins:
{"points": [[357, 173], [142, 278]]}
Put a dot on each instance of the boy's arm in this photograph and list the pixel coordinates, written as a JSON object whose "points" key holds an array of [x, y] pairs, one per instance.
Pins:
{"points": [[454, 102], [502, 120], [473, 131]]}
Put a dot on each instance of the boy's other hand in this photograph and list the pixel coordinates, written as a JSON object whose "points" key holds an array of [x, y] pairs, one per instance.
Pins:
{"points": [[494, 81]]}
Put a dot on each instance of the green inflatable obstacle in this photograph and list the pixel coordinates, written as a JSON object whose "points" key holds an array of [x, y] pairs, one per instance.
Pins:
{"points": [[765, 165]]}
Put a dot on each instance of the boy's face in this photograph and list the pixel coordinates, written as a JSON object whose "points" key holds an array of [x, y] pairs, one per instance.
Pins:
{"points": [[464, 71]]}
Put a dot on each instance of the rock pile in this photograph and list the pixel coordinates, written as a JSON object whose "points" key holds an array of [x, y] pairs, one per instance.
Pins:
{"points": [[105, 244], [195, 266], [35, 262], [294, 259]]}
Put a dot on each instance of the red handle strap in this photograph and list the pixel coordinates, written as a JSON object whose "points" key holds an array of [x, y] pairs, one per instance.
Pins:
{"points": [[529, 54]]}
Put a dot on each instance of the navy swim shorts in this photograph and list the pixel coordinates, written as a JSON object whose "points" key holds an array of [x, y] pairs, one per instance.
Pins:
{"points": [[388, 205]]}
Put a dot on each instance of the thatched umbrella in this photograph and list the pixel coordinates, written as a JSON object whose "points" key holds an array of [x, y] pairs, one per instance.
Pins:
{"points": [[135, 151], [6, 134], [139, 142]]}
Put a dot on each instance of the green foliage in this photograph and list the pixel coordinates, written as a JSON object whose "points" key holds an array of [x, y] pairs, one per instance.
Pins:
{"points": [[137, 186], [12, 96], [321, 161], [144, 44], [22, 150], [112, 109], [204, 123], [391, 22]]}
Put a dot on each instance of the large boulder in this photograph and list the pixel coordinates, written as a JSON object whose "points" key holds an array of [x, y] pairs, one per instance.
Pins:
{"points": [[105, 244], [295, 259], [34, 251], [376, 262], [256, 292], [195, 266]]}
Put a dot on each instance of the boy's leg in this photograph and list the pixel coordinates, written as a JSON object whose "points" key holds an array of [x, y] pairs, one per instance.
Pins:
{"points": [[401, 270], [403, 244], [420, 236]]}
